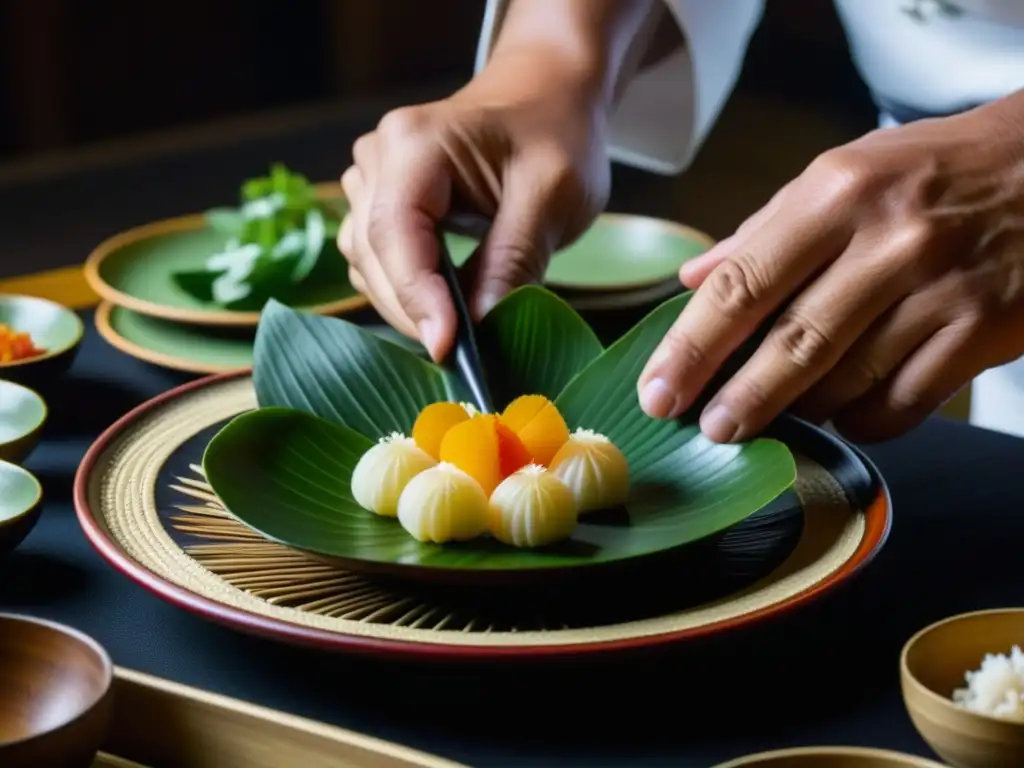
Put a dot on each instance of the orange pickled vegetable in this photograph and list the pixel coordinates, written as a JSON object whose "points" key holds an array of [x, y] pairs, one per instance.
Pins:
{"points": [[538, 424], [433, 424], [15, 346], [485, 449]]}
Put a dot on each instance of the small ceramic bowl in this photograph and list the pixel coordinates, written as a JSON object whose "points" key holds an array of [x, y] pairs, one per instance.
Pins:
{"points": [[21, 499], [53, 328], [56, 687], [932, 666], [830, 757], [22, 415]]}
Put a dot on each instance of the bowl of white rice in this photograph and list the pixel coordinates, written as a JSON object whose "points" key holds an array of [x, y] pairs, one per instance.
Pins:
{"points": [[963, 685], [830, 757]]}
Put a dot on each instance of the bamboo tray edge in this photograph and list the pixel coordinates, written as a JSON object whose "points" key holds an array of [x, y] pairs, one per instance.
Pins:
{"points": [[157, 722]]}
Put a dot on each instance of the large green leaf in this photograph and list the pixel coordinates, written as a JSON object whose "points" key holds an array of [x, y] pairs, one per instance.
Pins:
{"points": [[304, 496], [534, 343], [285, 473], [681, 479], [343, 373]]}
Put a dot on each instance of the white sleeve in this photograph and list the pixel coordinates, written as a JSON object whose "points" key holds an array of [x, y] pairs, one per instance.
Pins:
{"points": [[664, 112]]}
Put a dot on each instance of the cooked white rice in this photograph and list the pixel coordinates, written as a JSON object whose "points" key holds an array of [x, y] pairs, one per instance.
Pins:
{"points": [[997, 688]]}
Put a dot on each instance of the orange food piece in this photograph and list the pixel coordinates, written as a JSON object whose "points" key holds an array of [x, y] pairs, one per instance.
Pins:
{"points": [[485, 449], [538, 424], [433, 424], [15, 346]]}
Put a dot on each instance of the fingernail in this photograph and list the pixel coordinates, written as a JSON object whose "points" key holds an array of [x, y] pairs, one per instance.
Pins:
{"points": [[689, 270], [658, 400], [718, 423], [430, 333]]}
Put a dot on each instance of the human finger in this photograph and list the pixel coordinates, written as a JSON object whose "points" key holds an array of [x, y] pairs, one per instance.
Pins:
{"points": [[352, 186], [733, 302], [412, 192], [920, 386], [364, 152], [523, 236], [357, 281], [695, 271], [875, 356], [813, 334], [365, 271]]}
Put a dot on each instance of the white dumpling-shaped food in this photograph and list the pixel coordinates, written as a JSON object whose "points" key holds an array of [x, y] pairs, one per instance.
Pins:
{"points": [[593, 469], [532, 508], [382, 473], [443, 504]]}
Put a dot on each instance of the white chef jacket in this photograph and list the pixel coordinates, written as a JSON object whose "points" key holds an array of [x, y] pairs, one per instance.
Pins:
{"points": [[918, 58]]}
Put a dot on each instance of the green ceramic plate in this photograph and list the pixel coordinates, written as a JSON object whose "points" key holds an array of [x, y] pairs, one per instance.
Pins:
{"points": [[192, 348], [22, 415], [601, 301], [620, 252], [54, 328], [20, 499], [179, 346], [133, 270]]}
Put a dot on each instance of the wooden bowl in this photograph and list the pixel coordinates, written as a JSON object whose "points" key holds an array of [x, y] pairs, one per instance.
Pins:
{"points": [[56, 703], [21, 499], [54, 328], [932, 666], [22, 415], [830, 757]]}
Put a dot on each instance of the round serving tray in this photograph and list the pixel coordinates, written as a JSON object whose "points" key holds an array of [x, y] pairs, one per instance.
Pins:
{"points": [[144, 504]]}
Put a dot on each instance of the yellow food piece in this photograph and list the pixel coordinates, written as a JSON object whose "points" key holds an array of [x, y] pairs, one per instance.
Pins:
{"points": [[537, 422], [594, 470], [443, 504], [433, 424], [485, 449], [532, 508]]}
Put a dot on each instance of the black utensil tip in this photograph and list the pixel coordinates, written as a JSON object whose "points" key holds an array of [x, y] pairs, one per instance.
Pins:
{"points": [[465, 356]]}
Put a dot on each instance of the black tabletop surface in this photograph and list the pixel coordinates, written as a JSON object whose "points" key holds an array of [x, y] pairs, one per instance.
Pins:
{"points": [[824, 675]]}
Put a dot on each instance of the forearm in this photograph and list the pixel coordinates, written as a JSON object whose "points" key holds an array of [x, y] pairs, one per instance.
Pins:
{"points": [[590, 41]]}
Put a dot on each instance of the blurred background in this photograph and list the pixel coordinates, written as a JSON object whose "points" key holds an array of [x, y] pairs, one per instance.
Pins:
{"points": [[99, 96], [76, 73], [99, 83]]}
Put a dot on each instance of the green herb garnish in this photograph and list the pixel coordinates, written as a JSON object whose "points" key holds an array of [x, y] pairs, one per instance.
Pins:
{"points": [[274, 241]]}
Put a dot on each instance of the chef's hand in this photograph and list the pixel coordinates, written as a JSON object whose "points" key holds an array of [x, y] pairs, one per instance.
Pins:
{"points": [[524, 142], [525, 147], [897, 262]]}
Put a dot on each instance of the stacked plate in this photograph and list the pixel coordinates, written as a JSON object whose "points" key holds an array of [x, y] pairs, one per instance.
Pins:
{"points": [[623, 262]]}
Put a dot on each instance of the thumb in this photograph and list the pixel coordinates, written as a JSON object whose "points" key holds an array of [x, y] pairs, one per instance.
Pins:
{"points": [[518, 246]]}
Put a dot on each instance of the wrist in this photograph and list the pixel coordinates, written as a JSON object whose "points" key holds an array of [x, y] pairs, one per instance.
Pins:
{"points": [[538, 70], [582, 44]]}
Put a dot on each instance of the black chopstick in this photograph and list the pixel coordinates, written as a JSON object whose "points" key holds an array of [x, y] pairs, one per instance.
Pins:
{"points": [[465, 356]]}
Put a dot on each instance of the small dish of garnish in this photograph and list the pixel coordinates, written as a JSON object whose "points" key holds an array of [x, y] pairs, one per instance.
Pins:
{"points": [[38, 339], [16, 346], [963, 685]]}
